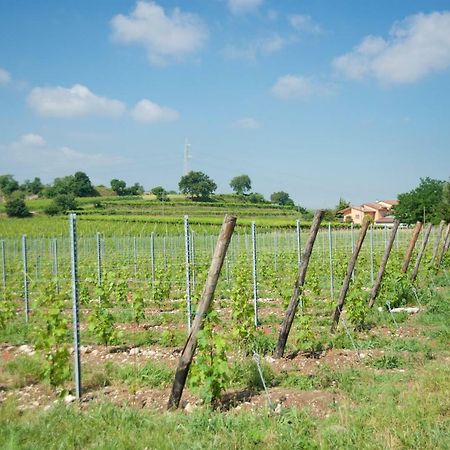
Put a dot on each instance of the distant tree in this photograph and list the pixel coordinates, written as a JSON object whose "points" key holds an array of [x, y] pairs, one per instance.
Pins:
{"points": [[281, 198], [34, 187], [61, 204], [197, 185], [136, 189], [15, 205], [160, 193], [342, 204], [118, 186], [241, 184], [255, 197], [8, 184], [427, 197], [82, 186]]}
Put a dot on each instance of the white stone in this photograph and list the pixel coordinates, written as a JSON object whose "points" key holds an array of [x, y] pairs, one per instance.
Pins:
{"points": [[135, 351], [69, 399]]}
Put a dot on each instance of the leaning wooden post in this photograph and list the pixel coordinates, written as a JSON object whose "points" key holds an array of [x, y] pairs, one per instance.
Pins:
{"points": [[293, 304], [438, 241], [348, 275], [421, 252], [445, 245], [411, 246], [205, 302], [387, 252]]}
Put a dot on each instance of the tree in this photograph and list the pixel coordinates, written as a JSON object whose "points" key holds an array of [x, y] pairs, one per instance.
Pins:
{"points": [[197, 185], [8, 184], [256, 197], [445, 203], [61, 204], [241, 184], [136, 189], [160, 193], [342, 204], [16, 207], [82, 186], [118, 186], [281, 198], [34, 187], [424, 199]]}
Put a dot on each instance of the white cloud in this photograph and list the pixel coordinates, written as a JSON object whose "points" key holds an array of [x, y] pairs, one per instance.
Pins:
{"points": [[297, 86], [247, 123], [415, 48], [31, 150], [166, 37], [149, 112], [304, 24], [244, 6], [31, 139], [256, 48], [5, 76], [75, 101]]}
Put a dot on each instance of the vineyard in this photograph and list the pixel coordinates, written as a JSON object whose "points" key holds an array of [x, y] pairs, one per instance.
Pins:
{"points": [[92, 327]]}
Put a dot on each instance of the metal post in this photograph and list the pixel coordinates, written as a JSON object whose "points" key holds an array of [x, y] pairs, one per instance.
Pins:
{"points": [[299, 244], [372, 276], [353, 248], [330, 242], [152, 257], [99, 260], [255, 279], [76, 326], [2, 250], [55, 264], [25, 276], [134, 257], [187, 253], [192, 248]]}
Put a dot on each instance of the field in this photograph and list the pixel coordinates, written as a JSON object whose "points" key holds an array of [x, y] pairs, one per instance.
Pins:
{"points": [[381, 381]]}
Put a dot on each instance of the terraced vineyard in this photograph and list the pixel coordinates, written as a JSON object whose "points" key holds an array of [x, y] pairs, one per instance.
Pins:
{"points": [[380, 381]]}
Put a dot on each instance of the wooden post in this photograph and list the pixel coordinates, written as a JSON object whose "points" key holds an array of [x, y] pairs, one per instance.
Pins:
{"points": [[387, 252], [438, 241], [293, 304], [444, 245], [205, 302], [421, 252], [348, 276], [411, 246]]}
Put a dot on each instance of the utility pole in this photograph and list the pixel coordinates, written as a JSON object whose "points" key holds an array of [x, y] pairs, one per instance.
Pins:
{"points": [[187, 146]]}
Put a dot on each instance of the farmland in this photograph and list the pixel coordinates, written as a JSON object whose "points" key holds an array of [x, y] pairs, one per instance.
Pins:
{"points": [[379, 381]]}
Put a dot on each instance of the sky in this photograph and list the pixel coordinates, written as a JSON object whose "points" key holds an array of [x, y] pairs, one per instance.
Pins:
{"points": [[321, 99]]}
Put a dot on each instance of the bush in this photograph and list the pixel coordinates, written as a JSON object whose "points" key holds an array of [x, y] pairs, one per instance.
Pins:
{"points": [[61, 204], [16, 207]]}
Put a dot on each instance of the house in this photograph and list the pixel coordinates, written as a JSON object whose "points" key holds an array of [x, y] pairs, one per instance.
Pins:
{"points": [[379, 212]]}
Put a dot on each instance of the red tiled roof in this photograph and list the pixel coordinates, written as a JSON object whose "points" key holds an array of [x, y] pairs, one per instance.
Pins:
{"points": [[375, 206]]}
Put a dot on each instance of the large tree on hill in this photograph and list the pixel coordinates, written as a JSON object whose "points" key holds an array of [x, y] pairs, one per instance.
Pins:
{"points": [[281, 198], [241, 184], [118, 186], [8, 184], [78, 185], [33, 187], [197, 185], [160, 193], [424, 199]]}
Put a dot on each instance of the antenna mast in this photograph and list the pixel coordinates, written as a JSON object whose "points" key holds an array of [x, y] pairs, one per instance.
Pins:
{"points": [[187, 146]]}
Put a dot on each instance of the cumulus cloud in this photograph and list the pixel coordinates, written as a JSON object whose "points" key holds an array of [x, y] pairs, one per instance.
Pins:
{"points": [[167, 37], [297, 86], [149, 112], [256, 48], [244, 6], [416, 47], [5, 76], [75, 101], [32, 150], [247, 123], [304, 23]]}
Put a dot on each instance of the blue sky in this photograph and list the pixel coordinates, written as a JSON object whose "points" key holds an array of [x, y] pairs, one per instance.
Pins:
{"points": [[319, 98]]}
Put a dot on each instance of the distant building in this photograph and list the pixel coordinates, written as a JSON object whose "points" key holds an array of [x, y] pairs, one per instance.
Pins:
{"points": [[379, 212]]}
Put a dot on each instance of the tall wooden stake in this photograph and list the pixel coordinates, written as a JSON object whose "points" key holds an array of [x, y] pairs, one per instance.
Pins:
{"points": [[421, 252], [348, 276], [438, 241], [387, 252], [293, 304], [411, 246], [444, 245], [205, 302]]}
